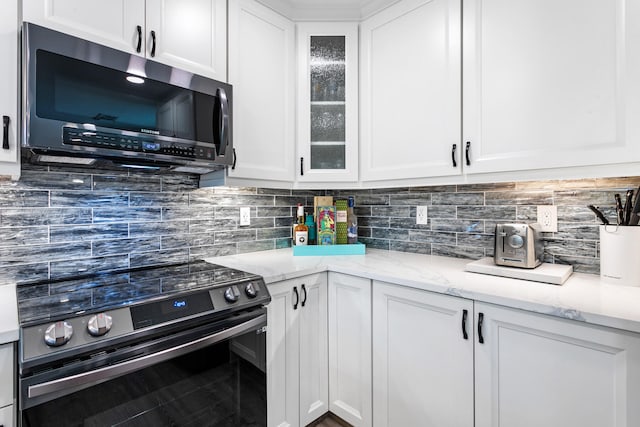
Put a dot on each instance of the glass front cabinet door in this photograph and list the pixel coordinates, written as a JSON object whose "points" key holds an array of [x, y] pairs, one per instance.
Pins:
{"points": [[327, 102]]}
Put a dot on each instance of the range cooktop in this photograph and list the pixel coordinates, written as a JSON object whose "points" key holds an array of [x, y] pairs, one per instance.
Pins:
{"points": [[47, 301]]}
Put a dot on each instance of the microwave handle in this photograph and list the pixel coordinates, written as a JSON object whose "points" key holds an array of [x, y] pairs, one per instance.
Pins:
{"points": [[223, 121]]}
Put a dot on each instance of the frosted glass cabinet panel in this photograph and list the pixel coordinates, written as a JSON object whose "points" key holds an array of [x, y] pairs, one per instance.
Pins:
{"points": [[327, 103]]}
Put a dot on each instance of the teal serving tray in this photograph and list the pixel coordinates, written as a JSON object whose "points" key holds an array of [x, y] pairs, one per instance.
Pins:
{"points": [[323, 250]]}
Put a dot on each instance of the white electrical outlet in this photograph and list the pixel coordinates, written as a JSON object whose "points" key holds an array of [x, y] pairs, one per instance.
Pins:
{"points": [[548, 218], [421, 215], [245, 216]]}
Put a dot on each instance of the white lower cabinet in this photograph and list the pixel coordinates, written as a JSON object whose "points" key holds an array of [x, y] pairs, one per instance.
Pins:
{"points": [[6, 416], [350, 348], [422, 358], [297, 356], [514, 369], [536, 370], [7, 385]]}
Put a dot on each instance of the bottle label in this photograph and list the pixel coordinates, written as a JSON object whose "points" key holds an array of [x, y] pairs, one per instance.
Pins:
{"points": [[302, 238], [352, 233]]}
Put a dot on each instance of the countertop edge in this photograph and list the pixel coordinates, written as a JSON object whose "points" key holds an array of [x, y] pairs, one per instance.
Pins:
{"points": [[9, 325], [581, 298]]}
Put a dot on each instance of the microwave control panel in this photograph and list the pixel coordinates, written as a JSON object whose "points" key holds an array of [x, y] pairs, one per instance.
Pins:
{"points": [[114, 141]]}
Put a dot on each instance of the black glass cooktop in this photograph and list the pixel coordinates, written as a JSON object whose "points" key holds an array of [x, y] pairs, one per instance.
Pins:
{"points": [[51, 300]]}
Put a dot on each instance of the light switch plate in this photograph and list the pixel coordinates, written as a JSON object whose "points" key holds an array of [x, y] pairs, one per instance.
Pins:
{"points": [[245, 216], [548, 218], [421, 215]]}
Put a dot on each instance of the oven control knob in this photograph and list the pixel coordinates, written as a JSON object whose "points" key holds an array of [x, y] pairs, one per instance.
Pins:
{"points": [[58, 334], [99, 324], [251, 290], [231, 294]]}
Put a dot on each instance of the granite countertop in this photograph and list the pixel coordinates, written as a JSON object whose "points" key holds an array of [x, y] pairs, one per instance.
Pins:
{"points": [[583, 297], [8, 314]]}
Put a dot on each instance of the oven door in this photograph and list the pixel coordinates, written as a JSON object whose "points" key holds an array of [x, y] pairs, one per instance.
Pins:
{"points": [[191, 378]]}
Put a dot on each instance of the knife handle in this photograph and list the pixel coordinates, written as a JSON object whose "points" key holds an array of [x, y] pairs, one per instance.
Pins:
{"points": [[635, 218], [628, 201], [619, 210], [599, 214]]}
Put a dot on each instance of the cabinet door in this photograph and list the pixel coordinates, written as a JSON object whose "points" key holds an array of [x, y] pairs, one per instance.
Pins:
{"points": [[314, 362], [350, 348], [7, 369], [261, 64], [9, 143], [282, 356], [422, 362], [113, 23], [190, 34], [327, 101], [6, 416], [551, 83], [535, 370], [410, 91]]}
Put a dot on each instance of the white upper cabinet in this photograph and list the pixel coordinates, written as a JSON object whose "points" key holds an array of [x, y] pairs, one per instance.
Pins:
{"points": [[327, 101], [189, 34], [410, 91], [9, 143], [261, 70], [114, 23], [550, 83]]}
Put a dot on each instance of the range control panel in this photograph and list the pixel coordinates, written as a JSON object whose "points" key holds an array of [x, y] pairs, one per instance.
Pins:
{"points": [[88, 329]]}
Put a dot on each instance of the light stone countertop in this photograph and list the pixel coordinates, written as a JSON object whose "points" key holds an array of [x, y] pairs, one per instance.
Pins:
{"points": [[8, 314], [583, 297]]}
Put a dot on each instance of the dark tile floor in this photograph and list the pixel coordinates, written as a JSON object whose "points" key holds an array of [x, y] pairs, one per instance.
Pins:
{"points": [[330, 420]]}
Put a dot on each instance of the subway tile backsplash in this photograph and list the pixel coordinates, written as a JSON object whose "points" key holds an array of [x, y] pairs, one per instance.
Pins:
{"points": [[56, 223]]}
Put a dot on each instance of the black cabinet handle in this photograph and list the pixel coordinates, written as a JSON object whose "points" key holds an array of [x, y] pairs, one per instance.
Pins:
{"points": [[235, 158], [139, 46], [453, 155], [465, 313], [153, 43], [466, 153], [5, 132], [295, 292], [304, 293], [301, 166], [480, 322]]}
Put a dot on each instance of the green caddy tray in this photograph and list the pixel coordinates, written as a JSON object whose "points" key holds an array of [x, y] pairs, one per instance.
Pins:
{"points": [[322, 250]]}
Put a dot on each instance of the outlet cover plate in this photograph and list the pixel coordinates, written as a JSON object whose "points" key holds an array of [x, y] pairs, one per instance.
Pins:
{"points": [[245, 216], [421, 215], [548, 218]]}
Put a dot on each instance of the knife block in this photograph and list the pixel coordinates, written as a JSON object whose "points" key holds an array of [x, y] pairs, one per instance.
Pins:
{"points": [[619, 248]]}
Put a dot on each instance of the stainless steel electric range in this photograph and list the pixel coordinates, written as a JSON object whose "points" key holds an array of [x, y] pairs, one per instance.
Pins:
{"points": [[175, 345]]}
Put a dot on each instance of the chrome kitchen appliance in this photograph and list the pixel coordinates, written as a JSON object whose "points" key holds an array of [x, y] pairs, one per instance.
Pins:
{"points": [[85, 104], [173, 345], [518, 245]]}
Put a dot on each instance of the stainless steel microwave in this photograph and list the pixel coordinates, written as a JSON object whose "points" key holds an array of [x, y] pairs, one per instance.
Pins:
{"points": [[91, 105]]}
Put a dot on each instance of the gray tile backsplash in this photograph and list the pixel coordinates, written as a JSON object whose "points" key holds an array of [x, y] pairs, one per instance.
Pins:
{"points": [[56, 223]]}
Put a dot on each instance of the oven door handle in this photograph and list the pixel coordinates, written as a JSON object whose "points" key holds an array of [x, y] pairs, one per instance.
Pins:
{"points": [[109, 372]]}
